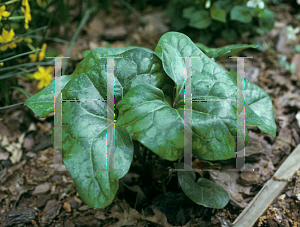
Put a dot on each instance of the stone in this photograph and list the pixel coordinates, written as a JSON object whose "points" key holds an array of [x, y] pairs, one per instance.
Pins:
{"points": [[248, 178]]}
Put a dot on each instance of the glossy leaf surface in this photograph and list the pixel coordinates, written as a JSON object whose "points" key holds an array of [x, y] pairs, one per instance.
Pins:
{"points": [[203, 192], [218, 53], [43, 102]]}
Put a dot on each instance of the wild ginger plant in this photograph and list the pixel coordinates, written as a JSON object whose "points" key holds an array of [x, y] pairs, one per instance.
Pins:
{"points": [[149, 101]]}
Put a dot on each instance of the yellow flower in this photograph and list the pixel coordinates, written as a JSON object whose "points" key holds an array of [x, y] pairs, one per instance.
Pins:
{"points": [[33, 56], [8, 37], [44, 76], [26, 12], [42, 3], [1, 63], [42, 53], [3, 13], [25, 3]]}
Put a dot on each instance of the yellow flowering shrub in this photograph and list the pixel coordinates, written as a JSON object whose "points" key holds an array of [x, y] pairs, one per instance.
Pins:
{"points": [[44, 76], [3, 13], [33, 57], [8, 37], [15, 50], [26, 10]]}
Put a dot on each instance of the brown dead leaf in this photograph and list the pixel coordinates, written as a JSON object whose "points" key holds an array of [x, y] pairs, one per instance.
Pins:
{"points": [[84, 207], [228, 180], [296, 62], [79, 201], [4, 130], [42, 188], [4, 155], [67, 207], [99, 214], [158, 217], [10, 171], [130, 216], [283, 42], [51, 213], [285, 138]]}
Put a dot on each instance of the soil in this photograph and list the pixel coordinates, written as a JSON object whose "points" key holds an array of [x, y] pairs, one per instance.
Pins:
{"points": [[32, 194]]}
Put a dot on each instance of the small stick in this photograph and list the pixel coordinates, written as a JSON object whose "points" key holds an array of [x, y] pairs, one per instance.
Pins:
{"points": [[40, 214]]}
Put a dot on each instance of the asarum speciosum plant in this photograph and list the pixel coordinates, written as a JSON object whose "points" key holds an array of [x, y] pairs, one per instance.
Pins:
{"points": [[149, 89]]}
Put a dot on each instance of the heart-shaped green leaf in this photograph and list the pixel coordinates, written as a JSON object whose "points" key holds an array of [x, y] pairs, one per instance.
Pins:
{"points": [[133, 67], [42, 103], [84, 130], [210, 81], [259, 111], [149, 119], [111, 51], [258, 108], [204, 192]]}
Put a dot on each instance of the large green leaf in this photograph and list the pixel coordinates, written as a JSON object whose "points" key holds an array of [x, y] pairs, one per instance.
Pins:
{"points": [[42, 103], [204, 192], [136, 66], [258, 108], [149, 119], [174, 66], [210, 81], [111, 51], [259, 111], [84, 129], [225, 51]]}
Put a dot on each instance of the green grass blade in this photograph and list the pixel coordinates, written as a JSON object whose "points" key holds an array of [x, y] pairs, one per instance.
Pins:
{"points": [[5, 107], [27, 65], [15, 73], [20, 55], [24, 35], [50, 39], [26, 93]]}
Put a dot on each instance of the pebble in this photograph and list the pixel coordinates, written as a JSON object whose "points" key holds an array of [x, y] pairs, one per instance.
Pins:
{"points": [[248, 178]]}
